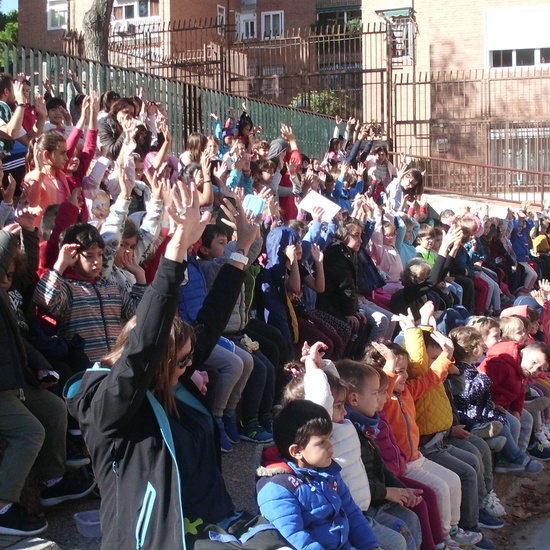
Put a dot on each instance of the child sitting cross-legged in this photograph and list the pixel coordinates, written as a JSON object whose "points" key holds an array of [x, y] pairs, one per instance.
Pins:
{"points": [[308, 502]]}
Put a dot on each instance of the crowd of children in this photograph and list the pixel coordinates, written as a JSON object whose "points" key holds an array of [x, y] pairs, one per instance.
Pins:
{"points": [[404, 353]]}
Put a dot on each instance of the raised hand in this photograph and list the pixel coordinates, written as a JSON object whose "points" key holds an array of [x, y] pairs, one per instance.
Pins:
{"points": [[405, 321], [312, 356], [247, 230], [446, 344], [76, 197], [186, 215], [26, 217], [129, 263], [68, 256], [40, 107], [286, 132], [316, 253], [7, 194]]}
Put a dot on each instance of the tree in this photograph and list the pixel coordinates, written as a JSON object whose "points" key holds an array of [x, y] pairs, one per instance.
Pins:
{"points": [[9, 27], [96, 30], [327, 102]]}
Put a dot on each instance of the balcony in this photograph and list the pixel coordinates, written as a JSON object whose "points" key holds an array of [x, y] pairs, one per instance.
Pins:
{"points": [[326, 5]]}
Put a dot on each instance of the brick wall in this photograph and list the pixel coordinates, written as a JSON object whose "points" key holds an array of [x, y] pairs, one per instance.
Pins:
{"points": [[33, 26], [296, 14]]}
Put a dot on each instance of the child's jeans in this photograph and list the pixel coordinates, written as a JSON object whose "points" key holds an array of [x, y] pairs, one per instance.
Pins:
{"points": [[521, 429]]}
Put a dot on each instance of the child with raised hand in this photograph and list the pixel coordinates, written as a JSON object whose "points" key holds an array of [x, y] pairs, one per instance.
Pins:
{"points": [[396, 461], [434, 417], [321, 383], [401, 412], [308, 502]]}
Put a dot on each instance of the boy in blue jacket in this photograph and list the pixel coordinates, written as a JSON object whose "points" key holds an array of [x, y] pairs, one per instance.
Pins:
{"points": [[306, 499]]}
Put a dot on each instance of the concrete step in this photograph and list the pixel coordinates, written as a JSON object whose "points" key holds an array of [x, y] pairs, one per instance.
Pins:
{"points": [[24, 543]]}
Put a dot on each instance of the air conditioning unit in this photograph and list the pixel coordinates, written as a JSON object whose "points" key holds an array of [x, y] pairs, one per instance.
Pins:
{"points": [[125, 29]]}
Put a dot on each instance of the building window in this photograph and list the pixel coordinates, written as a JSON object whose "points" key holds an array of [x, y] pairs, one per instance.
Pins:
{"points": [[501, 58], [327, 18], [247, 26], [132, 9], [57, 14], [403, 31], [402, 26], [273, 24], [221, 20], [524, 57]]}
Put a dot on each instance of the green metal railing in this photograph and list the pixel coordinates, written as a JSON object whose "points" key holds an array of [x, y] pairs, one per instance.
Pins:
{"points": [[188, 106]]}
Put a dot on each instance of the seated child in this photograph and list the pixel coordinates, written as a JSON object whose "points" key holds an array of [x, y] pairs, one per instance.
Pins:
{"points": [[509, 364], [434, 417], [322, 384], [309, 503], [391, 494], [81, 301], [401, 413]]}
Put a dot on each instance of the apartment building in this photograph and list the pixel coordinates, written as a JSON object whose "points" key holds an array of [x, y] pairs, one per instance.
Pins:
{"points": [[470, 79]]}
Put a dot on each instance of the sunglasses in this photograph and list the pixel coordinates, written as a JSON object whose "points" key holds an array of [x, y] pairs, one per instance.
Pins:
{"points": [[186, 360]]}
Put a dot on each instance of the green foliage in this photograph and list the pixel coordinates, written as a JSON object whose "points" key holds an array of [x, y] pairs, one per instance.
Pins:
{"points": [[355, 26], [327, 102], [9, 26]]}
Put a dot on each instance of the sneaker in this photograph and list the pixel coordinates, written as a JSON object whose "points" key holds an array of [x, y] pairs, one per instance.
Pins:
{"points": [[225, 444], [66, 489], [488, 521], [536, 450], [489, 429], [507, 467], [463, 537], [450, 544], [483, 544], [541, 438], [492, 504], [77, 455], [231, 425], [17, 521], [252, 431], [496, 444], [532, 466], [266, 422]]}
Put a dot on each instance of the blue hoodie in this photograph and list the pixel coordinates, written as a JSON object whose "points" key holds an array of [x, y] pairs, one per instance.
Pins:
{"points": [[313, 510], [273, 278]]}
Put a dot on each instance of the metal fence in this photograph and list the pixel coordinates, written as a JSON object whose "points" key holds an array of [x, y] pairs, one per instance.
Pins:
{"points": [[300, 64], [486, 117], [189, 106], [486, 181]]}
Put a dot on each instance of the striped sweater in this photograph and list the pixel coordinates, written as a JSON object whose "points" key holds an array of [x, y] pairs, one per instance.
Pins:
{"points": [[95, 310]]}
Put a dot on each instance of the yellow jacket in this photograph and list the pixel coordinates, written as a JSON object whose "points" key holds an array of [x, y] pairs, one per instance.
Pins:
{"points": [[433, 410]]}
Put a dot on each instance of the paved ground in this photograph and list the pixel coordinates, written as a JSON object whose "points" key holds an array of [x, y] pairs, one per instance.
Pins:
{"points": [[524, 497], [238, 469]]}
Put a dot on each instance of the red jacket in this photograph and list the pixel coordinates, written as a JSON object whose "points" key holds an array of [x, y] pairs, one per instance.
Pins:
{"points": [[503, 366]]}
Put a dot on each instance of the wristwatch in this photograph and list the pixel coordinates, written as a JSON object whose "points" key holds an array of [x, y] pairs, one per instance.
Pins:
{"points": [[20, 104], [241, 258]]}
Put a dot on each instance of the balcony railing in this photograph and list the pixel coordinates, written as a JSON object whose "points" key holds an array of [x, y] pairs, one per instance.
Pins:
{"points": [[468, 179]]}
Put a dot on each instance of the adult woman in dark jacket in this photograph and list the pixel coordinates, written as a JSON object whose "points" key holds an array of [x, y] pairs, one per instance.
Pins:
{"points": [[150, 437], [111, 129]]}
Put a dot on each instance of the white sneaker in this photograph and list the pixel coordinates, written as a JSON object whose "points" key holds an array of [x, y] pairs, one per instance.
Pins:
{"points": [[465, 538], [541, 437], [492, 504]]}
